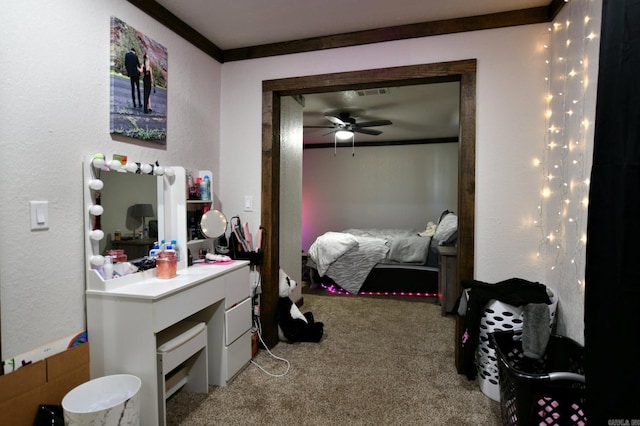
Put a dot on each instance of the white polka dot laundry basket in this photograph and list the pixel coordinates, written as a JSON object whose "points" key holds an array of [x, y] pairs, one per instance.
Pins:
{"points": [[499, 316]]}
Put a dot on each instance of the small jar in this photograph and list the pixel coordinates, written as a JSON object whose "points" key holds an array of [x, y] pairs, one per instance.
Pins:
{"points": [[166, 264], [117, 235]]}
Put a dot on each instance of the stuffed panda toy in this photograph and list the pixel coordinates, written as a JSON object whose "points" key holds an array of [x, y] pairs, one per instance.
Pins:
{"points": [[293, 325]]}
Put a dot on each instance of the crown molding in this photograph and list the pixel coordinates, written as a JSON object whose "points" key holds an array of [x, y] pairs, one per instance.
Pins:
{"points": [[530, 16]]}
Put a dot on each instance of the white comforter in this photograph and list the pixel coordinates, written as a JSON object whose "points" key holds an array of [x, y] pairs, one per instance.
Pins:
{"points": [[328, 247]]}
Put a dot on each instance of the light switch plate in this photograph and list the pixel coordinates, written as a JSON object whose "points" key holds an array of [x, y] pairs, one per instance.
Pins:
{"points": [[39, 215], [248, 203]]}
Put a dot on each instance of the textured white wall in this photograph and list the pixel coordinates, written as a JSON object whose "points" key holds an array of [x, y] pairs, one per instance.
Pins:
{"points": [[54, 114], [566, 157], [510, 121]]}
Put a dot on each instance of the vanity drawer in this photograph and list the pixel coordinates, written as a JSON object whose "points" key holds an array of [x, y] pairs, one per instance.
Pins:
{"points": [[237, 321], [237, 286], [238, 355], [171, 310]]}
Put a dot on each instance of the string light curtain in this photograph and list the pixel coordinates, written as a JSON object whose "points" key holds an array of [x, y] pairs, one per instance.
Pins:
{"points": [[565, 163]]}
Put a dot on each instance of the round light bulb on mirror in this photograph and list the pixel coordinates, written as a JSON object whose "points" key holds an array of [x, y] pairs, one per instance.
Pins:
{"points": [[98, 161], [96, 184], [96, 234], [169, 172], [159, 170], [146, 168], [115, 165], [97, 260], [131, 167], [96, 210]]}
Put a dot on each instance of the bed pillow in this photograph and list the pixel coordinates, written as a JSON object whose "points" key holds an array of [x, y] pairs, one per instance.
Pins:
{"points": [[443, 214], [447, 230]]}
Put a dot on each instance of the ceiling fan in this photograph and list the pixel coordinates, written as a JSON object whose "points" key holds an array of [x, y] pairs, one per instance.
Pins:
{"points": [[344, 127], [344, 122]]}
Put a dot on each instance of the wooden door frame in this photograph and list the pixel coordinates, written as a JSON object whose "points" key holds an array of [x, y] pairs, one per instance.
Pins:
{"points": [[272, 90]]}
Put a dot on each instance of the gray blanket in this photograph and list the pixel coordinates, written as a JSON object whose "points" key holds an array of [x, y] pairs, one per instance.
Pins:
{"points": [[405, 245]]}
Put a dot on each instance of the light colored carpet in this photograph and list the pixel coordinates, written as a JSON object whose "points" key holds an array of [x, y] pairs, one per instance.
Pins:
{"points": [[382, 361]]}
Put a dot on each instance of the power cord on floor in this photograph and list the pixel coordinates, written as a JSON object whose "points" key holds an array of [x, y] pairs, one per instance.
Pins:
{"points": [[258, 329]]}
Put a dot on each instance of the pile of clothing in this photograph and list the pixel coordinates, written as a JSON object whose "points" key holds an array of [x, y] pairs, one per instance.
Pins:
{"points": [[532, 296]]}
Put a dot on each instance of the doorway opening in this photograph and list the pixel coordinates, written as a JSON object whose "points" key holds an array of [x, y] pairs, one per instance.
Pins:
{"points": [[272, 90]]}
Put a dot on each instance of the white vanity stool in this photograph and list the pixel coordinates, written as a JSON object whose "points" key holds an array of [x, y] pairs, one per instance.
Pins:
{"points": [[182, 361]]}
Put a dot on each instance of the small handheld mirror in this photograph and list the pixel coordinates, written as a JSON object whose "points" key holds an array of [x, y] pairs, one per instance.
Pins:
{"points": [[213, 224]]}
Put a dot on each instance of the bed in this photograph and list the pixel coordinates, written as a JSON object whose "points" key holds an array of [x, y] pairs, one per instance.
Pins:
{"points": [[382, 260]]}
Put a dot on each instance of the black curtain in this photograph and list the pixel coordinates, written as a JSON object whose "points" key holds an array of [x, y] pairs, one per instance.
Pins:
{"points": [[612, 313]]}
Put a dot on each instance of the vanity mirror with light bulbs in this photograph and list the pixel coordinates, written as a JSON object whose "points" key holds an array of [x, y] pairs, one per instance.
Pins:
{"points": [[113, 192], [129, 318], [133, 205]]}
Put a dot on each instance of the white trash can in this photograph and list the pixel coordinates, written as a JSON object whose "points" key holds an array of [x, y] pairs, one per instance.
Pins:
{"points": [[110, 400]]}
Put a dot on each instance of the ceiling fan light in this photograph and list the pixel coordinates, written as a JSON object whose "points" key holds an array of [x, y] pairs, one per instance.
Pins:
{"points": [[344, 134]]}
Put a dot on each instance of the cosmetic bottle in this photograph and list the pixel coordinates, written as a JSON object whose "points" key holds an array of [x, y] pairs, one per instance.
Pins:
{"points": [[176, 249], [155, 250], [205, 189], [108, 267], [196, 188], [190, 186]]}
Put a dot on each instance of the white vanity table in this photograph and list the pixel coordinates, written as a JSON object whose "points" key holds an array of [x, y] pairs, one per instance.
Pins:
{"points": [[123, 323], [126, 316]]}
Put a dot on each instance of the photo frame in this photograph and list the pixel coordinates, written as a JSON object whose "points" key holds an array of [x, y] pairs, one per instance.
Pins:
{"points": [[138, 78]]}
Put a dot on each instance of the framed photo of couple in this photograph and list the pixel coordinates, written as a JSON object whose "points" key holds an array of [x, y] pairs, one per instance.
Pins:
{"points": [[138, 77]]}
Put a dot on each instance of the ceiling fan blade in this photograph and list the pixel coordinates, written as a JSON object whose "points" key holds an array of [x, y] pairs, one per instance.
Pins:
{"points": [[331, 132], [318, 127], [335, 120], [367, 131], [374, 123]]}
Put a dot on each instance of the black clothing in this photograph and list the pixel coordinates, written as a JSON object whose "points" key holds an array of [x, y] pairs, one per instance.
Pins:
{"points": [[146, 83], [514, 291], [132, 64]]}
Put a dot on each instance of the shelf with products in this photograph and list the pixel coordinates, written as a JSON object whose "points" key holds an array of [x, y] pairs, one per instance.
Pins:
{"points": [[198, 202], [199, 186]]}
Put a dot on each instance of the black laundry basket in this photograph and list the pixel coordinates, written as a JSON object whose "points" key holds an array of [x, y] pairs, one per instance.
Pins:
{"points": [[549, 391]]}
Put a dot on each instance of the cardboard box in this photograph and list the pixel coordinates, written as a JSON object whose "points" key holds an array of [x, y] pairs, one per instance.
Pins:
{"points": [[43, 382]]}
